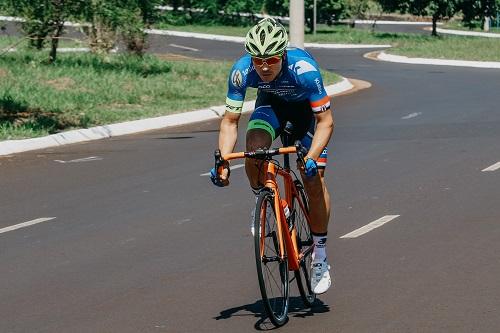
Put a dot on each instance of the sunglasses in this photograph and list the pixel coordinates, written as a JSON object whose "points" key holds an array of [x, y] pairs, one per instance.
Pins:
{"points": [[268, 61]]}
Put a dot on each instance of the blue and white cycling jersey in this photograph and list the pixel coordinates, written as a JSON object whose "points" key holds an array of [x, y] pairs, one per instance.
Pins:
{"points": [[299, 80]]}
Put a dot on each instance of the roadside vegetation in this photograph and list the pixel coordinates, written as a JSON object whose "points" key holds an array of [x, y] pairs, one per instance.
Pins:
{"points": [[84, 90]]}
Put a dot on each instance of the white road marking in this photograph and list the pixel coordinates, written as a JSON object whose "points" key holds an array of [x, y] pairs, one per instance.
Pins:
{"points": [[184, 47], [493, 167], [233, 167], [370, 226], [86, 159], [412, 115], [25, 224]]}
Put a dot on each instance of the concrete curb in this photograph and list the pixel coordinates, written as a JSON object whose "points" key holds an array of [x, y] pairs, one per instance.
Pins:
{"points": [[241, 40], [131, 127], [384, 22], [438, 62], [468, 33]]}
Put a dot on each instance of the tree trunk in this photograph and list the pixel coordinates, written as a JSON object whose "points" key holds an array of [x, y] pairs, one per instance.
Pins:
{"points": [[486, 25], [434, 25], [55, 42]]}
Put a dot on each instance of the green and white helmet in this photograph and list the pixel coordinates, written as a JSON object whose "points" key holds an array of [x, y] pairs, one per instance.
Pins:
{"points": [[266, 38]]}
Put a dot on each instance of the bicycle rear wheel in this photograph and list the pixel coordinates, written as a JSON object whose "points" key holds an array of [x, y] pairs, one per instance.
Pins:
{"points": [[299, 211], [272, 265]]}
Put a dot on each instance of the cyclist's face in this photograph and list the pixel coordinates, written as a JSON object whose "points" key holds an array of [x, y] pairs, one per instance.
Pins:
{"points": [[268, 68]]}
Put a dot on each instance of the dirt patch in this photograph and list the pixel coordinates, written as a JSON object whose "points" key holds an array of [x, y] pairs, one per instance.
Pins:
{"points": [[128, 87], [122, 105], [4, 72], [146, 99], [372, 55], [358, 85], [62, 83]]}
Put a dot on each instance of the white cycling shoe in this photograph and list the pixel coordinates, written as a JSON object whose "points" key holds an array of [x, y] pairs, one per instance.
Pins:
{"points": [[320, 276]]}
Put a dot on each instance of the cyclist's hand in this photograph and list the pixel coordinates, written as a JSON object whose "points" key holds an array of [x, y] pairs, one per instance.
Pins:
{"points": [[310, 167], [220, 180]]}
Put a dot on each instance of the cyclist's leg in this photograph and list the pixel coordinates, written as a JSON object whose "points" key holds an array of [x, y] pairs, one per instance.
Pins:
{"points": [[316, 189], [263, 128], [319, 203]]}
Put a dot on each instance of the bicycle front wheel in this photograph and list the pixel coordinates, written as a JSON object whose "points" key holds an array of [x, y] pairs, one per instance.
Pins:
{"points": [[272, 264], [305, 244]]}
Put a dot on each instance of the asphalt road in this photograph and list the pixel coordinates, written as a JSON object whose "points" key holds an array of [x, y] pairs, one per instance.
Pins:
{"points": [[142, 243]]}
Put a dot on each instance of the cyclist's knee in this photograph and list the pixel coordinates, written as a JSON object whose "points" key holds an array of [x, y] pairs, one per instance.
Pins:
{"points": [[258, 138]]}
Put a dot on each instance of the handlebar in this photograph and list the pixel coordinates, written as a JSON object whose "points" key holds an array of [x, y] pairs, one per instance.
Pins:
{"points": [[260, 154]]}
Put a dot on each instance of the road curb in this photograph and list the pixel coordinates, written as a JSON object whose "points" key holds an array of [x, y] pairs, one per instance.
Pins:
{"points": [[438, 62], [465, 33], [10, 147]]}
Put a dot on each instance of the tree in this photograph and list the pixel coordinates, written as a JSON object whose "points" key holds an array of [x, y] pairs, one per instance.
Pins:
{"points": [[477, 10], [113, 18], [438, 9], [45, 18]]}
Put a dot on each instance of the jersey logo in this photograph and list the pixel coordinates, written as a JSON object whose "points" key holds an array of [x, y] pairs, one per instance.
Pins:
{"points": [[301, 67], [236, 78], [318, 84]]}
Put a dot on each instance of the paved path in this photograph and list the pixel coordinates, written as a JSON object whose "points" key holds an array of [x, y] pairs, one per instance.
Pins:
{"points": [[133, 239]]}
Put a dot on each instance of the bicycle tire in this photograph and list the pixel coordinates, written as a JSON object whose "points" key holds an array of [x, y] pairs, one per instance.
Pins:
{"points": [[305, 244], [274, 289]]}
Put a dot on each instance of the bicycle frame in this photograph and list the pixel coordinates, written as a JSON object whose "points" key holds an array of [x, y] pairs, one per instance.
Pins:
{"points": [[286, 240]]}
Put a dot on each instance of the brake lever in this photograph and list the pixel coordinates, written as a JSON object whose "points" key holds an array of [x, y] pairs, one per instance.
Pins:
{"points": [[220, 163], [301, 152]]}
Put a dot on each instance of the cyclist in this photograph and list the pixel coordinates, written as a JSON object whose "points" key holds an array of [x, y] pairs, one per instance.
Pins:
{"points": [[290, 88]]}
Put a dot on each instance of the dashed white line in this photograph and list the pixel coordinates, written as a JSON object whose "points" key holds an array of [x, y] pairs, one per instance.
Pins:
{"points": [[412, 115], [370, 226], [493, 167], [184, 47], [86, 159], [233, 167], [25, 224]]}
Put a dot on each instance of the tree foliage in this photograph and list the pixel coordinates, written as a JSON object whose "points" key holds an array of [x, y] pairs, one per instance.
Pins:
{"points": [[44, 19], [476, 10], [438, 9]]}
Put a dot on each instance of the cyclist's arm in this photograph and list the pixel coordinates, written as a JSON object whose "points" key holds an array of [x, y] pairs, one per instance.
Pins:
{"points": [[322, 134], [228, 132], [320, 104]]}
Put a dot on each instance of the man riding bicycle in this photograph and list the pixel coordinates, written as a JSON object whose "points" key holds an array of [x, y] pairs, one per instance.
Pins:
{"points": [[290, 88]]}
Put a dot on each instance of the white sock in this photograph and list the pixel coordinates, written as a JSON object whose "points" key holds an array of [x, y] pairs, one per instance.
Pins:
{"points": [[319, 252]]}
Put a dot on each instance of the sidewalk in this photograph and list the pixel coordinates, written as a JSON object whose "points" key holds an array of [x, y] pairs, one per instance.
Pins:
{"points": [[9, 147]]}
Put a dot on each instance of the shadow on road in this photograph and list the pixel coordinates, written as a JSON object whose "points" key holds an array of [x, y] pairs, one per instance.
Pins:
{"points": [[296, 310]]}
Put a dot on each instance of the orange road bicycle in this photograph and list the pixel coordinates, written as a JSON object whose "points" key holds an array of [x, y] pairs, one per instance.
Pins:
{"points": [[283, 240]]}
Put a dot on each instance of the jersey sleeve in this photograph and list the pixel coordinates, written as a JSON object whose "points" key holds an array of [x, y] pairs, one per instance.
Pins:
{"points": [[319, 99], [236, 87]]}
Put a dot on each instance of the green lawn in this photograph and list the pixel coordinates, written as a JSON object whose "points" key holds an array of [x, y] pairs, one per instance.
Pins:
{"points": [[83, 90]]}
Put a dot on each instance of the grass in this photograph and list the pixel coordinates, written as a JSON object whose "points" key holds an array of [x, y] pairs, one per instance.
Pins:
{"points": [[84, 90], [457, 25], [450, 47], [412, 45]]}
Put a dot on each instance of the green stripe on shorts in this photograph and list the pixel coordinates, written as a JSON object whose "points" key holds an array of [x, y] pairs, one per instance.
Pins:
{"points": [[261, 124]]}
